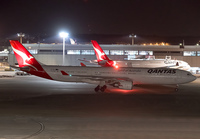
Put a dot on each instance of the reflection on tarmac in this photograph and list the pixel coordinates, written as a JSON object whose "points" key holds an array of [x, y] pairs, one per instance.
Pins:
{"points": [[70, 110]]}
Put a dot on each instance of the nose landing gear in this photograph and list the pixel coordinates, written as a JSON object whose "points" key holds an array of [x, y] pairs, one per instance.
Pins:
{"points": [[177, 88]]}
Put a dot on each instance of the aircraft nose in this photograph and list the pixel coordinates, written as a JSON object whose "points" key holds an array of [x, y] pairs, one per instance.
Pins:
{"points": [[193, 78]]}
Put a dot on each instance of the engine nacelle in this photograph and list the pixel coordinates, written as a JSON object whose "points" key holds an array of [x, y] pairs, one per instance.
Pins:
{"points": [[103, 62], [25, 68], [126, 85], [107, 63]]}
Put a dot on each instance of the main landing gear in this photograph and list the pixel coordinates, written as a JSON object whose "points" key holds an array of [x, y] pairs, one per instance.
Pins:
{"points": [[102, 88]]}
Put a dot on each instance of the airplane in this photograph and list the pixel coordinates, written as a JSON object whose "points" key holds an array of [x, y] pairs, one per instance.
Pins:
{"points": [[105, 61], [123, 78]]}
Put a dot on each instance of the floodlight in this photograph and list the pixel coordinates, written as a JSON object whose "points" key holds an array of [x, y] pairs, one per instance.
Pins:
{"points": [[64, 34]]}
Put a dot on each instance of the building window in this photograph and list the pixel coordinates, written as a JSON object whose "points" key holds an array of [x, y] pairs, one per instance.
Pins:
{"points": [[145, 52], [58, 52], [198, 53], [129, 52], [106, 52], [177, 52], [87, 52], [160, 52], [73, 52], [33, 51], [189, 53], [116, 52], [45, 51]]}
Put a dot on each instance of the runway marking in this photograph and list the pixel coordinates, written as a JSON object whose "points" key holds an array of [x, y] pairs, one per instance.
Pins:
{"points": [[42, 127]]}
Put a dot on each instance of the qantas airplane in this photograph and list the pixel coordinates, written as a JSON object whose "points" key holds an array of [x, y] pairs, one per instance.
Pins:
{"points": [[103, 60], [123, 77]]}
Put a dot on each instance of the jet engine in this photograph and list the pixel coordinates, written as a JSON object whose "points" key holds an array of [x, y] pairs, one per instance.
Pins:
{"points": [[107, 63], [126, 85], [25, 68], [103, 62]]}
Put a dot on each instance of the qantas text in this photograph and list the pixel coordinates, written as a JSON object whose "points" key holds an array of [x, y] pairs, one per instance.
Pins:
{"points": [[168, 71]]}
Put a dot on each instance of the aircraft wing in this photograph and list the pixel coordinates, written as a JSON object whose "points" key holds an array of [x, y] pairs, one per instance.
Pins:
{"points": [[90, 61], [98, 78], [15, 67], [106, 80]]}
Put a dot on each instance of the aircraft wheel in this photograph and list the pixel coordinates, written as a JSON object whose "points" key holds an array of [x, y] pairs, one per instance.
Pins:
{"points": [[103, 88], [176, 89], [97, 88]]}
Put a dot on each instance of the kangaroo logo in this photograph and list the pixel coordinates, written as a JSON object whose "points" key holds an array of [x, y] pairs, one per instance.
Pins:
{"points": [[101, 55], [26, 59]]}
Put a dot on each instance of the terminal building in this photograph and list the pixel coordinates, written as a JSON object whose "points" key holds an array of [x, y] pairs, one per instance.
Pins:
{"points": [[52, 54]]}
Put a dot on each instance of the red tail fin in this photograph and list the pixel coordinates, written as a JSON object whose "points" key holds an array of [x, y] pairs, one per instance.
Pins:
{"points": [[99, 52], [26, 60]]}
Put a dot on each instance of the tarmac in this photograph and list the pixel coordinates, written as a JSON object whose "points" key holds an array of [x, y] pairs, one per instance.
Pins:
{"points": [[36, 108]]}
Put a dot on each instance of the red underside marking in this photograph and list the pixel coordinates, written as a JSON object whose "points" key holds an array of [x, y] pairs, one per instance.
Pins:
{"points": [[42, 74], [64, 73], [83, 65]]}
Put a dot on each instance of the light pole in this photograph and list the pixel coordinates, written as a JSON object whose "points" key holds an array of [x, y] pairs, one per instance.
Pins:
{"points": [[132, 36], [20, 35], [63, 35]]}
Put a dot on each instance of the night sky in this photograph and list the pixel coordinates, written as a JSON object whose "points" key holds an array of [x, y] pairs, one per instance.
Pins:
{"points": [[144, 17]]}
